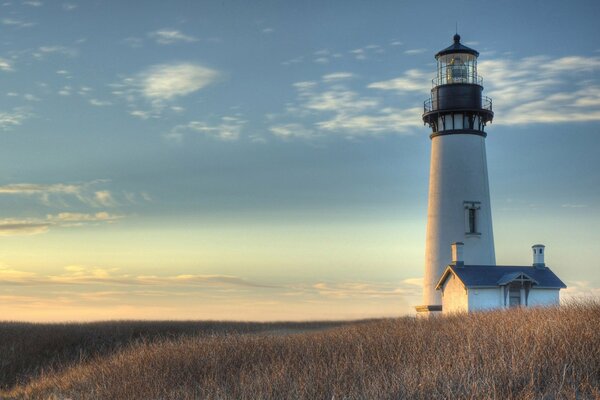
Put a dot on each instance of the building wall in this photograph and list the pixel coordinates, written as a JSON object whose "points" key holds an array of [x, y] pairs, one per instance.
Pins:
{"points": [[485, 299], [454, 298], [458, 173], [543, 297]]}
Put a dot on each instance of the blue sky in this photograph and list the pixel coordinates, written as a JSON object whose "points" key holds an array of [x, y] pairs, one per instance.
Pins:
{"points": [[267, 160]]}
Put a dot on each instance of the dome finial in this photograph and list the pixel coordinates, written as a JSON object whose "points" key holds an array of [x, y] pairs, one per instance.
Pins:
{"points": [[457, 38]]}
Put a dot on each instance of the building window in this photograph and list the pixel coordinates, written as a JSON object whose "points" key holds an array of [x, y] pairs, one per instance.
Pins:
{"points": [[472, 209]]}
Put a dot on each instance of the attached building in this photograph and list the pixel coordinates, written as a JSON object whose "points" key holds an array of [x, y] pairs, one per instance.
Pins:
{"points": [[467, 288]]}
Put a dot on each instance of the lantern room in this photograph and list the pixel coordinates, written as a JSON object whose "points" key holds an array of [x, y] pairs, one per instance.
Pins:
{"points": [[457, 64]]}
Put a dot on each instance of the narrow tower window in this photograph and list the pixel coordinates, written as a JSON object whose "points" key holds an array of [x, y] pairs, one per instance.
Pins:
{"points": [[472, 222], [472, 209]]}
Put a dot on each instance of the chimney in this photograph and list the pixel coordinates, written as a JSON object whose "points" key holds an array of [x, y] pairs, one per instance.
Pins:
{"points": [[538, 255], [457, 254]]}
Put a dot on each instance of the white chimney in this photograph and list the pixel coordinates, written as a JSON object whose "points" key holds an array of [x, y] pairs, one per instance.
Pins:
{"points": [[538, 255], [457, 253]]}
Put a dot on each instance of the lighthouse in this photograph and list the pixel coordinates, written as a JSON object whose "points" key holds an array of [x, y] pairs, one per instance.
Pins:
{"points": [[461, 274], [459, 209]]}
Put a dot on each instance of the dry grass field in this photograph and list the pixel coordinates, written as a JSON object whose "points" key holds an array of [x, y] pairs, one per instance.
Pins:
{"points": [[518, 354]]}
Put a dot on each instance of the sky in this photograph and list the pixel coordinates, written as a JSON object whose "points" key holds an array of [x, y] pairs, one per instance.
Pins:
{"points": [[267, 160]]}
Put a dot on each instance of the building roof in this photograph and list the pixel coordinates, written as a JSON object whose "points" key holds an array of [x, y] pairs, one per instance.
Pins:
{"points": [[457, 47], [477, 276]]}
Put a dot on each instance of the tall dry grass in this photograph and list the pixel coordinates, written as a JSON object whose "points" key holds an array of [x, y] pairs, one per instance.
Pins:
{"points": [[28, 350], [549, 353]]}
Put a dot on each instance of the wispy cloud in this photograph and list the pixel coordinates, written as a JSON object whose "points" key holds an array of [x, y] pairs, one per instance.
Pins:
{"points": [[531, 90], [102, 216], [43, 51], [292, 130], [161, 84], [100, 103], [84, 275], [227, 128], [13, 227], [33, 226], [582, 289], [363, 53], [17, 23], [5, 65], [14, 118], [415, 51], [171, 36], [337, 76], [542, 89], [62, 194], [33, 3], [412, 80], [335, 108]]}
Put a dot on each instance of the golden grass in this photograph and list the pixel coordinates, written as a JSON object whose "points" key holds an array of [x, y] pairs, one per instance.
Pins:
{"points": [[551, 353]]}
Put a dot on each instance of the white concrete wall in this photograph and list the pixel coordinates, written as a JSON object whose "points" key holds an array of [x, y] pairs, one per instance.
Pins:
{"points": [[485, 299], [454, 298], [458, 173], [543, 297]]}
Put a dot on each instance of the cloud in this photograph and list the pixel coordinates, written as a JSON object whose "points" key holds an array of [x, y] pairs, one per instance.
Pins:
{"points": [[69, 6], [33, 226], [9, 120], [335, 108], [292, 130], [228, 128], [579, 290], [366, 52], [104, 198], [542, 89], [530, 90], [292, 61], [412, 80], [33, 3], [415, 51], [102, 216], [42, 51], [161, 84], [16, 23], [133, 42], [84, 275], [63, 194], [5, 65], [100, 103], [268, 30], [336, 76], [13, 227], [168, 81], [404, 289], [170, 36]]}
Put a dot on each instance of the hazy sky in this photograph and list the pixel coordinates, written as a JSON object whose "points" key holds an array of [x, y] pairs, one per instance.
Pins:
{"points": [[267, 159]]}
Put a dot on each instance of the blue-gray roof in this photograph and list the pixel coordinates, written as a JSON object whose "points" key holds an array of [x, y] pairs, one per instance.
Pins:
{"points": [[457, 47], [496, 275]]}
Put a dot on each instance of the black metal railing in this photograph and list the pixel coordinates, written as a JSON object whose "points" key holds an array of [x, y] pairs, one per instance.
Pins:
{"points": [[486, 104]]}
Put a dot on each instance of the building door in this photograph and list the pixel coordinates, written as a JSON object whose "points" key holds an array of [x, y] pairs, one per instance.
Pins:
{"points": [[514, 296]]}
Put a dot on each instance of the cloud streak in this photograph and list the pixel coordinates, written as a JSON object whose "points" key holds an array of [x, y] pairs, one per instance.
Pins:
{"points": [[171, 36], [228, 128]]}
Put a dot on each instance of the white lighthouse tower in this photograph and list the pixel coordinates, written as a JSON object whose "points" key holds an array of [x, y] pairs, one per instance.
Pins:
{"points": [[459, 197]]}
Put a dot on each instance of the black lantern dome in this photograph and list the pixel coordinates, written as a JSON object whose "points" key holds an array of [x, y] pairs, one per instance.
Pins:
{"points": [[456, 104]]}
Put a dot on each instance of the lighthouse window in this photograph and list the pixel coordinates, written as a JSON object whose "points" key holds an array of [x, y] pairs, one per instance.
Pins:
{"points": [[472, 222], [472, 217]]}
